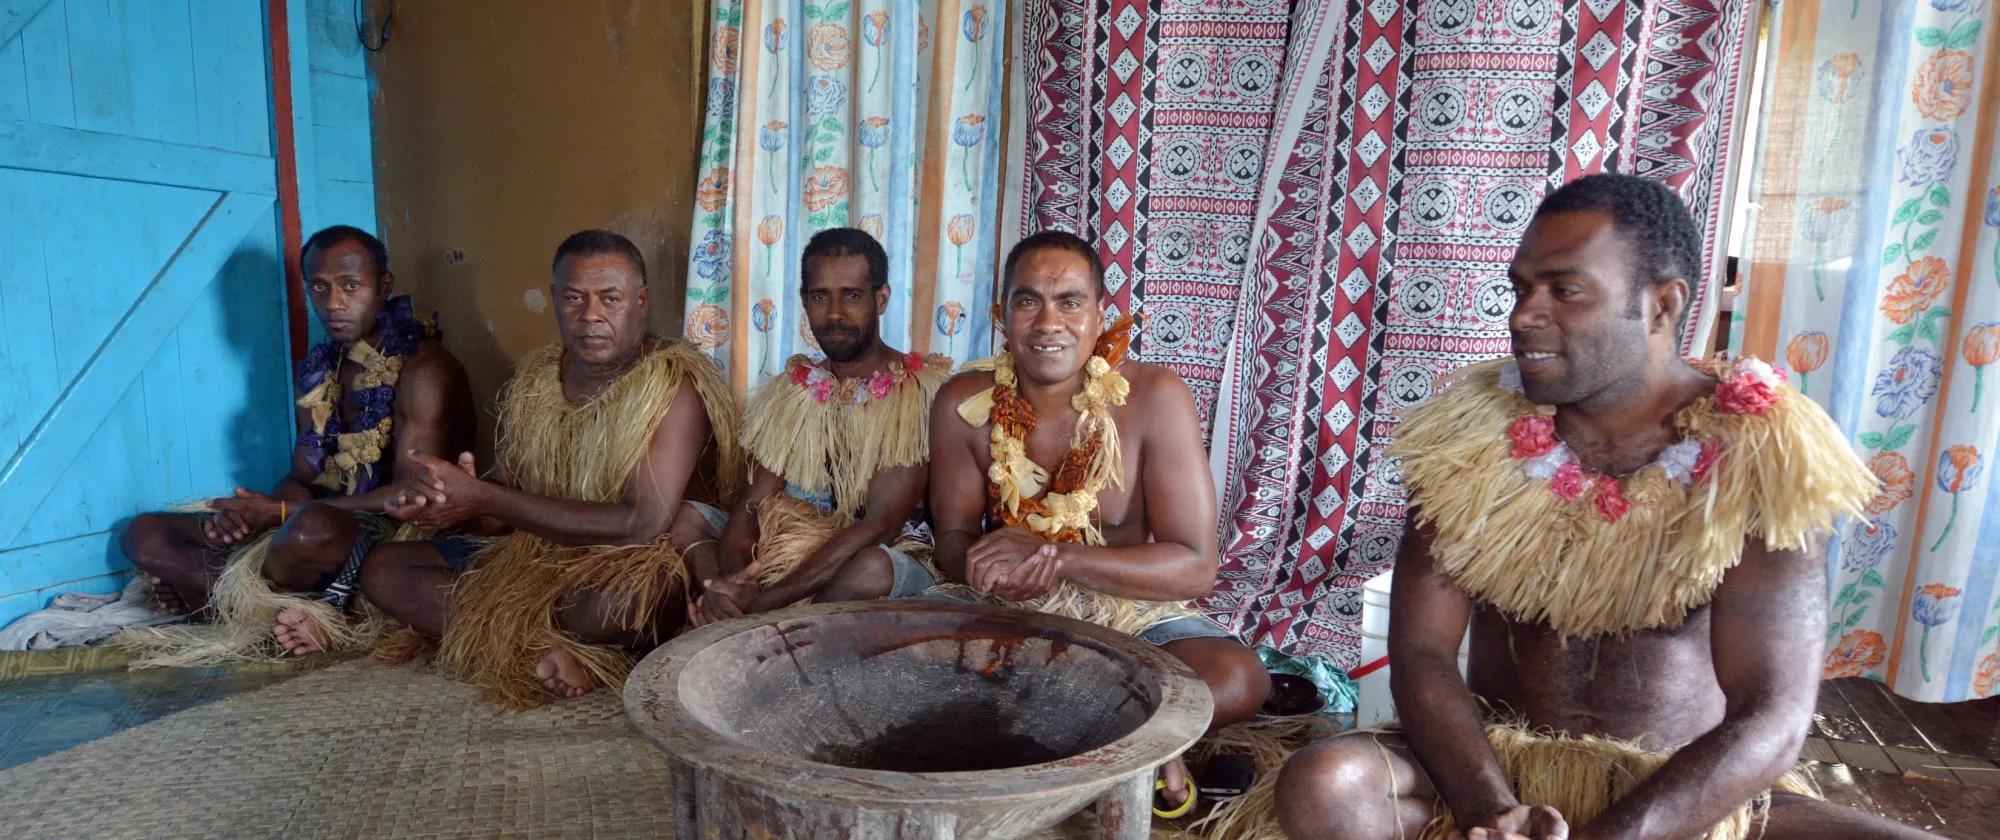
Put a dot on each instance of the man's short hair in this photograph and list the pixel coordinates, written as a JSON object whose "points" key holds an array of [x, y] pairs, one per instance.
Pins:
{"points": [[847, 242], [598, 242], [1665, 240], [1058, 240], [331, 236]]}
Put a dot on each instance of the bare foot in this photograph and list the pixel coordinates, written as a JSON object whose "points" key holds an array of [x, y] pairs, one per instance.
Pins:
{"points": [[297, 633], [562, 675], [166, 600], [1175, 774]]}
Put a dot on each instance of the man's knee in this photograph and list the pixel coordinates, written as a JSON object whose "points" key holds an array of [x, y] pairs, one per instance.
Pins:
{"points": [[148, 541], [868, 575], [1235, 677], [383, 571], [1318, 782], [310, 547]]}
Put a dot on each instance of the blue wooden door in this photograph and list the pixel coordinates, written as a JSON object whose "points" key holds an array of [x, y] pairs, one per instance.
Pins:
{"points": [[143, 358]]}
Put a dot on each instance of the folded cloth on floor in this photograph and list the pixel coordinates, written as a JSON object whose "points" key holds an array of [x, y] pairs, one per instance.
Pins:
{"points": [[76, 618]]}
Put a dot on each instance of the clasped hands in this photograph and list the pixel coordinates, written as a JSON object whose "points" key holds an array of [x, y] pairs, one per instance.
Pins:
{"points": [[241, 517], [1013, 564], [1521, 822], [439, 493]]}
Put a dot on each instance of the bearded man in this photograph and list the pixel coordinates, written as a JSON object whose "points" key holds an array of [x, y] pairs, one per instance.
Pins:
{"points": [[839, 450]]}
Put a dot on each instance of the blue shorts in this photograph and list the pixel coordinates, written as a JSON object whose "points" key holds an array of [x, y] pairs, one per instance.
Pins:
{"points": [[1185, 627], [457, 550]]}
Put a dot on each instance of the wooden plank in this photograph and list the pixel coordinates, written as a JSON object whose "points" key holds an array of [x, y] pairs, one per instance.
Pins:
{"points": [[45, 51], [163, 97], [30, 379], [44, 565], [166, 426], [1899, 799], [338, 100], [1880, 714], [1836, 720], [344, 203], [61, 434], [231, 88], [1968, 728], [343, 154], [15, 15], [334, 48], [99, 66], [237, 372], [110, 238], [47, 148], [13, 81], [100, 486]]}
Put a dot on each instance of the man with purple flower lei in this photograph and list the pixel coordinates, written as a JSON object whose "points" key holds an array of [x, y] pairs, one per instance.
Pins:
{"points": [[381, 384], [839, 453]]}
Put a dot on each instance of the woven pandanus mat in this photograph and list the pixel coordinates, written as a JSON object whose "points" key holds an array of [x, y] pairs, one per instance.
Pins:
{"points": [[354, 750], [360, 750]]}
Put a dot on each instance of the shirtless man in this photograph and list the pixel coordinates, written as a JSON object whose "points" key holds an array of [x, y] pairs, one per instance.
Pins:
{"points": [[1677, 602], [325, 510], [611, 444], [820, 521], [1135, 537]]}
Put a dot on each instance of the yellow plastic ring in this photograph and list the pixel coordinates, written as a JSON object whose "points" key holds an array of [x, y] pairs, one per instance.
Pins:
{"points": [[1185, 806]]}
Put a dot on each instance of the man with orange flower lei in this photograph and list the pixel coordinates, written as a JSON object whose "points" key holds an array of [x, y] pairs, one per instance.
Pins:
{"points": [[1069, 479], [1633, 539], [838, 454]]}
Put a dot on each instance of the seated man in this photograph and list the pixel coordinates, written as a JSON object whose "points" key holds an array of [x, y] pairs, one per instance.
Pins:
{"points": [[838, 455], [1068, 479], [608, 442], [382, 384], [1633, 538]]}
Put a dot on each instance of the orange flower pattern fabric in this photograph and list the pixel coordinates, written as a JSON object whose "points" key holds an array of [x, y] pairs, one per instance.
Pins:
{"points": [[1880, 230], [811, 125]]}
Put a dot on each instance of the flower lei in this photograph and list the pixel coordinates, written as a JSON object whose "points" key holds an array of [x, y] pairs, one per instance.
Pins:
{"points": [[345, 459], [1064, 513], [826, 387], [1748, 387]]}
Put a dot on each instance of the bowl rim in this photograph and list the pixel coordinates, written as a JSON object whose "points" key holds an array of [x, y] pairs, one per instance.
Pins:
{"points": [[651, 699]]}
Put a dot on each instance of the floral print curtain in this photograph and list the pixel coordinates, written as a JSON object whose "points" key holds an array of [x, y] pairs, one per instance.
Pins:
{"points": [[1875, 280], [876, 114]]}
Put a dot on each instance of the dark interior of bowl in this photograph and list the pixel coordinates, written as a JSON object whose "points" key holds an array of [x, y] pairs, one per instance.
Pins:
{"points": [[922, 691]]}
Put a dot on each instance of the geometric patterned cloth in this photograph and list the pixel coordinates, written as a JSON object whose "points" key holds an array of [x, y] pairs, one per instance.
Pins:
{"points": [[1145, 126], [1411, 144]]}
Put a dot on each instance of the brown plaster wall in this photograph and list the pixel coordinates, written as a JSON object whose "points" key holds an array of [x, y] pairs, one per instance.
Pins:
{"points": [[501, 128]]}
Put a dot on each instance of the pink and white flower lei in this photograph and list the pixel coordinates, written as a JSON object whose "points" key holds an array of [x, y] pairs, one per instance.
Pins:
{"points": [[824, 385], [1532, 441]]}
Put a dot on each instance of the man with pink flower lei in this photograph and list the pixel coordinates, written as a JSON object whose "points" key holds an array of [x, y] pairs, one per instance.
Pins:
{"points": [[1633, 539], [839, 451]]}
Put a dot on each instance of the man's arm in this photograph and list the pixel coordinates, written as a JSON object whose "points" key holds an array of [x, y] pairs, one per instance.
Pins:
{"points": [[447, 495], [1440, 716], [1765, 626], [739, 539], [430, 382], [1179, 563], [892, 496], [957, 485]]}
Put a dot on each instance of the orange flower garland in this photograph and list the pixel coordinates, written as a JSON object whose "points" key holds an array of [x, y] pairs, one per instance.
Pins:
{"points": [[1072, 485]]}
